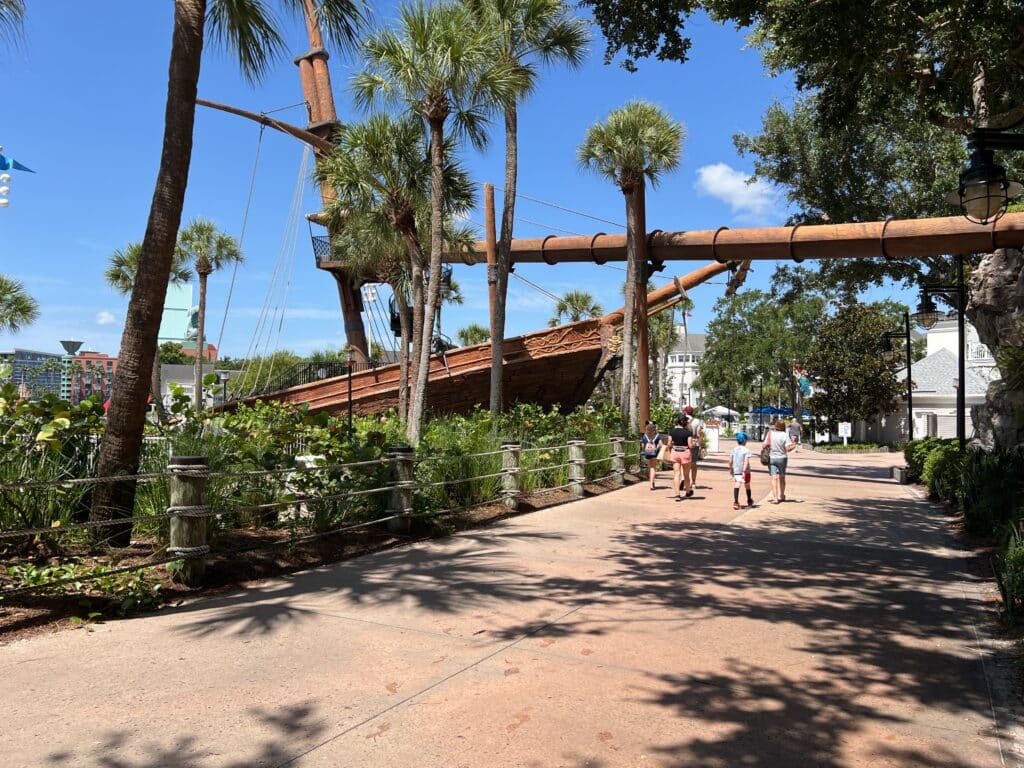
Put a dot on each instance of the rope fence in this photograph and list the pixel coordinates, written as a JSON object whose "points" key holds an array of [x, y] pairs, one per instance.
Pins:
{"points": [[189, 479]]}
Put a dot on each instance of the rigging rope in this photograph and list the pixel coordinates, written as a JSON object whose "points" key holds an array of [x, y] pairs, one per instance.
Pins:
{"points": [[563, 208], [241, 236]]}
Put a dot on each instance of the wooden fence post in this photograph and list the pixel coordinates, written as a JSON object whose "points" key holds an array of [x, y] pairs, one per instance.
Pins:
{"points": [[402, 471], [189, 512], [619, 459], [577, 467], [510, 474]]}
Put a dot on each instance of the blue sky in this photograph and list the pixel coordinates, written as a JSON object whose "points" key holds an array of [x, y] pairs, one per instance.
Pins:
{"points": [[84, 108]]}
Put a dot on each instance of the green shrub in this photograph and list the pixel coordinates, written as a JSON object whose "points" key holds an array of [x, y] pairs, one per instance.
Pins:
{"points": [[990, 489], [942, 471], [1010, 575], [915, 452]]}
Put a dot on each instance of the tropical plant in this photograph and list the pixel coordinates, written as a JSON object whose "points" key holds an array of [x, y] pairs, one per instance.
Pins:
{"points": [[120, 274], [381, 173], [575, 306], [249, 29], [17, 307], [473, 334], [439, 65], [12, 13], [209, 250], [529, 32], [635, 144]]}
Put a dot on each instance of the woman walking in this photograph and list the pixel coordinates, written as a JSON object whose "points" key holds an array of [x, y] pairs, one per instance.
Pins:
{"points": [[779, 445], [680, 440], [650, 445]]}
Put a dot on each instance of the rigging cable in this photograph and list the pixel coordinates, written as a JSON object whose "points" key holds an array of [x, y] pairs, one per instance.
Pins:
{"points": [[241, 236], [565, 209]]}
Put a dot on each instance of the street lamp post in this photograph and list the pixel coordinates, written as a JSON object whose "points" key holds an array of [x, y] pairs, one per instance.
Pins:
{"points": [[760, 412], [984, 191], [222, 377], [927, 315], [888, 350]]}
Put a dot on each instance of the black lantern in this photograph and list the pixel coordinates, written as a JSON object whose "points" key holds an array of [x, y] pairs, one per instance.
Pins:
{"points": [[984, 191], [926, 315]]}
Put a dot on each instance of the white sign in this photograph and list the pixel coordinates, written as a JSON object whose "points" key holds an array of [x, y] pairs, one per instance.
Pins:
{"points": [[845, 429]]}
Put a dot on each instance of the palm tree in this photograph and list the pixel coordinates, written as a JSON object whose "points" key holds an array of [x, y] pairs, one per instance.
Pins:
{"points": [[17, 308], [439, 65], [248, 28], [209, 249], [122, 267], [636, 143], [529, 32], [381, 173], [575, 306], [12, 13], [473, 334]]}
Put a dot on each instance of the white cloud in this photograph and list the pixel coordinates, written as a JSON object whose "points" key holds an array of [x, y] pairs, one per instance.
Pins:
{"points": [[105, 318], [755, 202]]}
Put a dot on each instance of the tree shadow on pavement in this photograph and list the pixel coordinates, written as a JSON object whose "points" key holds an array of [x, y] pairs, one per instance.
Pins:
{"points": [[290, 729]]}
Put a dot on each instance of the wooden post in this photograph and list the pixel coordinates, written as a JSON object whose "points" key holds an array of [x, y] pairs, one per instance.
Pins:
{"points": [[401, 458], [643, 378], [577, 467], [510, 474], [189, 511], [619, 459], [491, 240]]}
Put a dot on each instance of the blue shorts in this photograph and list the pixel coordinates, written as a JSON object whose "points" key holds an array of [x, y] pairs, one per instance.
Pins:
{"points": [[777, 465]]}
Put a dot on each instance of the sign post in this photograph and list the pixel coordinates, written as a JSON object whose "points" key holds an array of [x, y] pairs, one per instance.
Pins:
{"points": [[845, 430]]}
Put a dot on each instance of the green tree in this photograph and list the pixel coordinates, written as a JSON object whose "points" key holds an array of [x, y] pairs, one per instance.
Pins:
{"points": [[120, 274], [172, 353], [17, 307], [439, 65], [636, 143], [382, 173], [473, 334], [852, 380], [529, 33], [575, 306], [209, 249], [249, 29], [754, 337]]}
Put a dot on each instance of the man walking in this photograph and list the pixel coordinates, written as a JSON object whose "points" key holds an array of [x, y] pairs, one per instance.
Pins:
{"points": [[795, 431], [696, 426]]}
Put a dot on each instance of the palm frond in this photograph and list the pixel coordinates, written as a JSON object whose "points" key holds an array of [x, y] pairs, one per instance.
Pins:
{"points": [[17, 307]]}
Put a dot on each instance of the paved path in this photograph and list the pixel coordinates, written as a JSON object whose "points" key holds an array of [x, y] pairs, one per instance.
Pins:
{"points": [[624, 630]]}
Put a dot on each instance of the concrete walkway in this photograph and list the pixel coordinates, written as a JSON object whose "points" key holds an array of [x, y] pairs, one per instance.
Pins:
{"points": [[836, 629]]}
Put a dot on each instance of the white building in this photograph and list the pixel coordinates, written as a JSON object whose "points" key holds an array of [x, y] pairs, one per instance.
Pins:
{"points": [[683, 367], [935, 387]]}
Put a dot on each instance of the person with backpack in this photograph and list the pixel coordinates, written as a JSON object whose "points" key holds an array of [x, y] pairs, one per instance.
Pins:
{"points": [[650, 446]]}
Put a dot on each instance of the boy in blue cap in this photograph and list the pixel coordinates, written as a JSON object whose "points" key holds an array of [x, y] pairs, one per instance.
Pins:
{"points": [[739, 468]]}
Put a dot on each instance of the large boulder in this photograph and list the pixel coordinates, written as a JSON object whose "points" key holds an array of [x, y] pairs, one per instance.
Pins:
{"points": [[996, 308]]}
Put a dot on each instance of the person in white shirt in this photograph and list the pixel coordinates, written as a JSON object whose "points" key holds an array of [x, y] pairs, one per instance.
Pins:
{"points": [[696, 426]]}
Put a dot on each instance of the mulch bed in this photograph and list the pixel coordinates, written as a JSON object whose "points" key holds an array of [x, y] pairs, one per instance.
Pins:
{"points": [[249, 556]]}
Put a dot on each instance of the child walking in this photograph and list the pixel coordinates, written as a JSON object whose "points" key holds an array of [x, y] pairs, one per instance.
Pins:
{"points": [[739, 468]]}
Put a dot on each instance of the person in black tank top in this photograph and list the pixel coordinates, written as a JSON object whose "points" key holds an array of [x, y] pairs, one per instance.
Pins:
{"points": [[681, 440]]}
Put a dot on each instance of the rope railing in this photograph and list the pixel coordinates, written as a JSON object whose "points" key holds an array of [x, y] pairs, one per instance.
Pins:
{"points": [[301, 502]]}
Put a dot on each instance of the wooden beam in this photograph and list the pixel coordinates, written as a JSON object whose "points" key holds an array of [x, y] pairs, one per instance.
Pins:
{"points": [[895, 239]]}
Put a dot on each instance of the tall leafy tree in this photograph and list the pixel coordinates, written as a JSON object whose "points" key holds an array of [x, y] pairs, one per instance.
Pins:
{"points": [[382, 174], [575, 306], [754, 337], [529, 33], [122, 269], [250, 30], [209, 250], [636, 144], [438, 64], [17, 307], [473, 334], [853, 381]]}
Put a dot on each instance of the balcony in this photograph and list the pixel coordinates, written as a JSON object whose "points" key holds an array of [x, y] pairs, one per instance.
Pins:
{"points": [[322, 250]]}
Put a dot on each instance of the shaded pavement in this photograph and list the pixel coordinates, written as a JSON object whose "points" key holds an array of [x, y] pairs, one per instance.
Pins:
{"points": [[837, 629]]}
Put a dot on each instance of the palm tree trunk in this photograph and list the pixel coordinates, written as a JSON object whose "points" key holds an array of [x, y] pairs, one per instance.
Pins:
{"points": [[628, 390], [417, 405], [198, 370], [508, 213], [154, 390], [643, 355], [126, 419], [415, 253], [405, 320]]}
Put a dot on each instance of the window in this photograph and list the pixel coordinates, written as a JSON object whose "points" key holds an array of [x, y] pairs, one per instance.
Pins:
{"points": [[976, 351]]}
